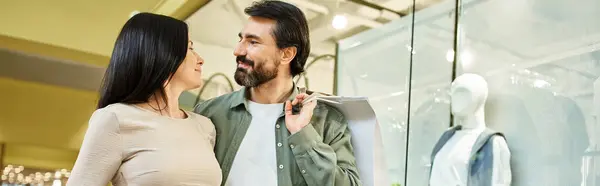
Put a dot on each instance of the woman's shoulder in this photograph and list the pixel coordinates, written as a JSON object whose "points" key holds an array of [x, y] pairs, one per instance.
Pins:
{"points": [[112, 111], [115, 107], [205, 124], [106, 117], [200, 118]]}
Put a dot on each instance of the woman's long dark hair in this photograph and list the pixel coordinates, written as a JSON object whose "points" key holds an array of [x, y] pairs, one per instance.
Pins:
{"points": [[147, 53]]}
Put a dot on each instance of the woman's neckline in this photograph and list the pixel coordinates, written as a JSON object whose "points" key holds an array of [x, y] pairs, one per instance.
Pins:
{"points": [[187, 115]]}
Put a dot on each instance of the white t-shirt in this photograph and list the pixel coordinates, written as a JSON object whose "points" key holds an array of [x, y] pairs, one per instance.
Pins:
{"points": [[255, 163]]}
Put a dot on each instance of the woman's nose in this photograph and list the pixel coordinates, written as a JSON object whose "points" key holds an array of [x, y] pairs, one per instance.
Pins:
{"points": [[200, 60]]}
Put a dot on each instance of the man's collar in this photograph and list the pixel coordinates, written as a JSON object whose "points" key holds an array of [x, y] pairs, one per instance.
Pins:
{"points": [[240, 96]]}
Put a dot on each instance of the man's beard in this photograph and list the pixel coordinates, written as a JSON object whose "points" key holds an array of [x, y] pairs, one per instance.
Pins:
{"points": [[257, 76]]}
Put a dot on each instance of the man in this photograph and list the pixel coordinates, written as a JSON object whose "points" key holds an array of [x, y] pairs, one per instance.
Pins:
{"points": [[261, 142]]}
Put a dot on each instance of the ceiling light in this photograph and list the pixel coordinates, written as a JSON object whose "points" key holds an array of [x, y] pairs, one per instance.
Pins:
{"points": [[339, 22]]}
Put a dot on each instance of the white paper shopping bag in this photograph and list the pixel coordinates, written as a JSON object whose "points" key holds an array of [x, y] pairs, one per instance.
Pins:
{"points": [[366, 137]]}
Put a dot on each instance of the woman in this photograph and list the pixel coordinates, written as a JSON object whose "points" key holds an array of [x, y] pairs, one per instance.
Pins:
{"points": [[139, 135]]}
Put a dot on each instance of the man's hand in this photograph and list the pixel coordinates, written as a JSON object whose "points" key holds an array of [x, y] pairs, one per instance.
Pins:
{"points": [[293, 122]]}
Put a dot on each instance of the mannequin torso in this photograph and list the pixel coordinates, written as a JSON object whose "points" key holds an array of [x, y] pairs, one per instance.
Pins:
{"points": [[452, 163]]}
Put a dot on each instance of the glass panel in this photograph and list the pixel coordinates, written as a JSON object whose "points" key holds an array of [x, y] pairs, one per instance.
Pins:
{"points": [[375, 63], [540, 58], [432, 73]]}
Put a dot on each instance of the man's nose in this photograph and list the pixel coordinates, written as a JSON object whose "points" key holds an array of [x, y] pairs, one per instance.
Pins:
{"points": [[239, 50]]}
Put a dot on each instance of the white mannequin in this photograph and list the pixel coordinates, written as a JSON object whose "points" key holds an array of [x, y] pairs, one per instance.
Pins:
{"points": [[468, 95]]}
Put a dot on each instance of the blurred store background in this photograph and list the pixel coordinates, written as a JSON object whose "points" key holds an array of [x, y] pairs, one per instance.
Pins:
{"points": [[540, 58]]}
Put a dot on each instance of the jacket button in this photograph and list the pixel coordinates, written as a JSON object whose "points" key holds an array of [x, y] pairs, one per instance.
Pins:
{"points": [[277, 126], [279, 144], [280, 166]]}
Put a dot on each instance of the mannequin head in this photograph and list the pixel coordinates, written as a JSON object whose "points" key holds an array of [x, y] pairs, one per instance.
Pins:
{"points": [[468, 94]]}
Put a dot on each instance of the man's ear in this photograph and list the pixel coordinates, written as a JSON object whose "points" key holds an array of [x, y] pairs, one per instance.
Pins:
{"points": [[288, 54]]}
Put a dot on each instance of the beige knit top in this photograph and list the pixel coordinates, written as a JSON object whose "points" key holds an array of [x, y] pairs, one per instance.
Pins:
{"points": [[132, 146]]}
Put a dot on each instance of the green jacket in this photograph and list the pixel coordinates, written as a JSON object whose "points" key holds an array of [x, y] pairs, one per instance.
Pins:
{"points": [[318, 155]]}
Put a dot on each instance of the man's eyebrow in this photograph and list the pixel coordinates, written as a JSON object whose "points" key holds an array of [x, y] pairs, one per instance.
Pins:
{"points": [[250, 36]]}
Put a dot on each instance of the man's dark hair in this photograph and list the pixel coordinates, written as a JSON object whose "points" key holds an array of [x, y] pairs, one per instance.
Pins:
{"points": [[290, 30]]}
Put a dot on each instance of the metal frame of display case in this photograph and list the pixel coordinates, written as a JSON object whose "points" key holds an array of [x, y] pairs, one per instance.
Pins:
{"points": [[335, 68], [457, 13]]}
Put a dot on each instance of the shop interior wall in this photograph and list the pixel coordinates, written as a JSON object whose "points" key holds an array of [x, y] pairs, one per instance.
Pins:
{"points": [[540, 58]]}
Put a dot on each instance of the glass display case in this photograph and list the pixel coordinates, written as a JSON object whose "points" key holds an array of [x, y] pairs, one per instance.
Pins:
{"points": [[540, 58]]}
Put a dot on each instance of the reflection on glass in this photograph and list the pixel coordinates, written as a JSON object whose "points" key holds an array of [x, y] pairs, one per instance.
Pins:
{"points": [[540, 59], [376, 64]]}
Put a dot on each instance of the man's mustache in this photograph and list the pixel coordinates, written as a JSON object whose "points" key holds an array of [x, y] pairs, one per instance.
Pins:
{"points": [[244, 60]]}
